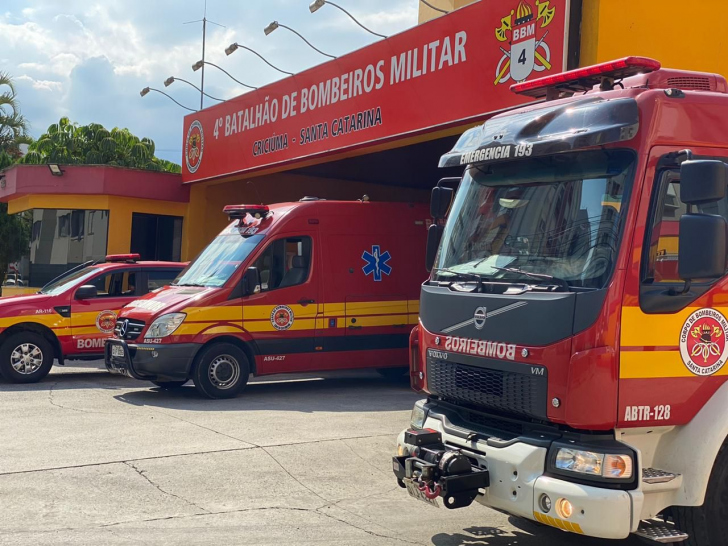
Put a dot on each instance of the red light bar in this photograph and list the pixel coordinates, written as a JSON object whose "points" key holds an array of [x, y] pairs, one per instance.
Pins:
{"points": [[123, 257], [587, 77], [240, 211]]}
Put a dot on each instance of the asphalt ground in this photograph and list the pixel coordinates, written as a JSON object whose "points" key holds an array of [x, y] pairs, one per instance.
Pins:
{"points": [[90, 458]]}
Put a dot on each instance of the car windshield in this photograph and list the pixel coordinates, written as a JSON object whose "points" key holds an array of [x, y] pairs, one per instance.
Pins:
{"points": [[555, 218], [64, 283], [217, 263]]}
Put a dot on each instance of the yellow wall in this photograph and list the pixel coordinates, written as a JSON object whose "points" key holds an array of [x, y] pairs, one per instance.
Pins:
{"points": [[120, 211], [691, 36], [427, 13]]}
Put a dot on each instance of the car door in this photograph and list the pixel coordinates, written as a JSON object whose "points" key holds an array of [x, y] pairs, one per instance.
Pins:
{"points": [[281, 316], [93, 320]]}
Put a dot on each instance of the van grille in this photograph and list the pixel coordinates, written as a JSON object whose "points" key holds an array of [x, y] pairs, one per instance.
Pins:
{"points": [[133, 329], [690, 83], [511, 392]]}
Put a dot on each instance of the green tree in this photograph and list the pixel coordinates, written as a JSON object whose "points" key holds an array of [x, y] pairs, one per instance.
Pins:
{"points": [[70, 144], [13, 127]]}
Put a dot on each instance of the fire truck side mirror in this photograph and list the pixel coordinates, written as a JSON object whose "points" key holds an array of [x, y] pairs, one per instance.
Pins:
{"points": [[440, 202], [86, 292], [251, 281], [434, 234], [703, 181], [702, 246]]}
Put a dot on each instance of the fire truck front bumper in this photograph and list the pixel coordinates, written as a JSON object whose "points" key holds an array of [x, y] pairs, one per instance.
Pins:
{"points": [[148, 362], [516, 483]]}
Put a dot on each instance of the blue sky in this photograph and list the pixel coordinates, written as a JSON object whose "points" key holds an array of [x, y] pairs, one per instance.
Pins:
{"points": [[88, 60]]}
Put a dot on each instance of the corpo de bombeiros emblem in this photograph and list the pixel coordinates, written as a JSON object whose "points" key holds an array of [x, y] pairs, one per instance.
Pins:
{"points": [[282, 317], [194, 146], [704, 341], [523, 29]]}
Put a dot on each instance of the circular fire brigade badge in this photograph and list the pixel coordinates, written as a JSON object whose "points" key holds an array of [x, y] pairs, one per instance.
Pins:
{"points": [[194, 145], [106, 321], [704, 342], [282, 317]]}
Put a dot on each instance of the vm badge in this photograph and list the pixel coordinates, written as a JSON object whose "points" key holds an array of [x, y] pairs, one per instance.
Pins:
{"points": [[479, 317]]}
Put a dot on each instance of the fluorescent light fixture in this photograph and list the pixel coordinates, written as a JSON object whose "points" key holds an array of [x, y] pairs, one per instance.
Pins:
{"points": [[231, 48], [316, 5], [169, 81], [270, 28], [144, 91], [55, 169], [197, 66]]}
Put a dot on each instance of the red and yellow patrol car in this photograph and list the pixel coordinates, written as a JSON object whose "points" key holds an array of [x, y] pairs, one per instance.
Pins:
{"points": [[70, 317], [306, 286]]}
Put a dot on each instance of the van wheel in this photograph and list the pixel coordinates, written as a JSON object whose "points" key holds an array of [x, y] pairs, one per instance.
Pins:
{"points": [[222, 371], [707, 525], [26, 357], [170, 385], [392, 374]]}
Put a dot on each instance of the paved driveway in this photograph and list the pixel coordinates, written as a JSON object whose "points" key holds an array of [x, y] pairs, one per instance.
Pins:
{"points": [[88, 458]]}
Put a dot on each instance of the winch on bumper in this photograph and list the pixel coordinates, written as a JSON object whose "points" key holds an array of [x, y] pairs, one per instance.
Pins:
{"points": [[507, 473], [149, 362]]}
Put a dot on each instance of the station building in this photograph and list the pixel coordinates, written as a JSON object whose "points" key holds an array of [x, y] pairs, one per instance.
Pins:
{"points": [[373, 122]]}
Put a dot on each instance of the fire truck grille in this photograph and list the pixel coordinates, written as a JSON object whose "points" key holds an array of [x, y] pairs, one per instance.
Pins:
{"points": [[510, 392], [131, 328]]}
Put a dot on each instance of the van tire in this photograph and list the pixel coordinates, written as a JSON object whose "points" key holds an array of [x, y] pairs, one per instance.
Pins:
{"points": [[221, 371], [392, 374], [170, 385], [707, 525], [37, 348]]}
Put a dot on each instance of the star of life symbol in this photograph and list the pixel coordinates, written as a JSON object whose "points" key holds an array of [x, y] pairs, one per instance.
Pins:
{"points": [[376, 263], [527, 52]]}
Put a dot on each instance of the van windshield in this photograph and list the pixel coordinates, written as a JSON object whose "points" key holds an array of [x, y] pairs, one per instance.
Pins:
{"points": [[217, 263]]}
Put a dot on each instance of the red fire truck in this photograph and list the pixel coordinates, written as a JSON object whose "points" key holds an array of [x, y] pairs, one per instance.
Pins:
{"points": [[573, 336], [71, 316], [294, 287]]}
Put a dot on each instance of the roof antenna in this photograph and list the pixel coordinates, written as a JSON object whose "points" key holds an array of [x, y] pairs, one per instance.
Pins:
{"points": [[252, 184]]}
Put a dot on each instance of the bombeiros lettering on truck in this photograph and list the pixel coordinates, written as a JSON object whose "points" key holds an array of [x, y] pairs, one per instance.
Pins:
{"points": [[572, 338]]}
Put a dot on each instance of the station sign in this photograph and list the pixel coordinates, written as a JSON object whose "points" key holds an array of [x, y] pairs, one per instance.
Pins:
{"points": [[449, 71]]}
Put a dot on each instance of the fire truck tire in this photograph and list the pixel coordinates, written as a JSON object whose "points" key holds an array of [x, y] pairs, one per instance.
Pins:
{"points": [[707, 525], [392, 373], [221, 371], [26, 357], [170, 385]]}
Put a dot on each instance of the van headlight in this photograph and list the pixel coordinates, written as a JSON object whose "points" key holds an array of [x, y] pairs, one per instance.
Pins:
{"points": [[609, 466], [419, 415], [165, 325]]}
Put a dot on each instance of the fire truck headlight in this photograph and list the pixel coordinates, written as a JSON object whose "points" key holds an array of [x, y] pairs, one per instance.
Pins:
{"points": [[165, 325], [419, 414], [591, 463]]}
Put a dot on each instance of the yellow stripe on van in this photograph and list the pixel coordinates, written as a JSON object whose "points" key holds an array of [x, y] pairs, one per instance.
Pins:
{"points": [[267, 326], [220, 313], [51, 320]]}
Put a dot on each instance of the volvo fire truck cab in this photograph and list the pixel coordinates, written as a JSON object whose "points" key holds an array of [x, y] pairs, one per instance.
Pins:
{"points": [[72, 315], [573, 333], [295, 287]]}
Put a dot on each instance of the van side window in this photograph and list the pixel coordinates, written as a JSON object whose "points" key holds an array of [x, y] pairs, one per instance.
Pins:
{"points": [[661, 264], [285, 262], [115, 285]]}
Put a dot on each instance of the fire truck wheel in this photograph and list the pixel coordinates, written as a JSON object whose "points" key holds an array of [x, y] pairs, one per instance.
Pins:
{"points": [[169, 385], [707, 525], [26, 357], [392, 373], [221, 371]]}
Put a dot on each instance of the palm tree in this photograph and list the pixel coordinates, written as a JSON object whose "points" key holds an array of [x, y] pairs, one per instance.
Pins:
{"points": [[13, 127]]}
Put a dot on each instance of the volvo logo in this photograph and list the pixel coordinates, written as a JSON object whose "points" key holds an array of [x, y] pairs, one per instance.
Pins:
{"points": [[479, 317], [123, 326]]}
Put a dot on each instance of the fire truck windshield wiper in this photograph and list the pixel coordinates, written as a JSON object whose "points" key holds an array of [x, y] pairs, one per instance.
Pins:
{"points": [[460, 274], [542, 276]]}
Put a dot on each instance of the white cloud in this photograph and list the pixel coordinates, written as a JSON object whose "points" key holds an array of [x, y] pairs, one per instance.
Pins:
{"points": [[47, 85]]}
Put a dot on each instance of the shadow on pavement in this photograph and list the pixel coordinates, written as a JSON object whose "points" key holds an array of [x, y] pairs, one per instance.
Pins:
{"points": [[302, 394], [527, 534]]}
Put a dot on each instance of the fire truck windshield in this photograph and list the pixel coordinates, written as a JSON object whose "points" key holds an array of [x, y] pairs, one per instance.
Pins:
{"points": [[557, 216], [220, 259]]}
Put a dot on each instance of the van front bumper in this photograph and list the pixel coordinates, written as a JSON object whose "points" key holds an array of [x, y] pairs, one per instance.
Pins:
{"points": [[518, 481], [148, 362]]}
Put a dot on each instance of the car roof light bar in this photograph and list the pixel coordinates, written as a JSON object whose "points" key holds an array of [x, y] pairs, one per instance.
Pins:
{"points": [[584, 79], [241, 211], [123, 257]]}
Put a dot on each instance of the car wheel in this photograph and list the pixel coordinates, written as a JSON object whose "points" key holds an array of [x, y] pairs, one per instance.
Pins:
{"points": [[170, 385], [221, 371], [392, 373], [707, 525], [26, 357]]}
